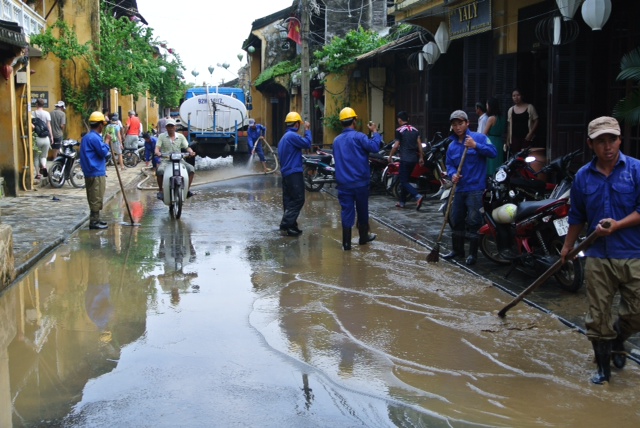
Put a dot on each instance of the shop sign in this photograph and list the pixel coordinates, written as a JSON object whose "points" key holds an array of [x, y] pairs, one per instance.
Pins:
{"points": [[470, 18], [40, 94]]}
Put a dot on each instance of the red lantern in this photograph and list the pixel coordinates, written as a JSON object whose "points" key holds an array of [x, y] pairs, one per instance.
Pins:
{"points": [[317, 94], [6, 71], [170, 51]]}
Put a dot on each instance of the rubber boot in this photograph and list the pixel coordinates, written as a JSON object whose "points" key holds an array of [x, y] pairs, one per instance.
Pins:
{"points": [[602, 349], [457, 241], [94, 221], [473, 252], [346, 238], [618, 353], [365, 236]]}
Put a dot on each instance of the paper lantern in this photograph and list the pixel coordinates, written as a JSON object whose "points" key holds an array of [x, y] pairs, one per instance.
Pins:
{"points": [[442, 37], [6, 71], [596, 13], [568, 8], [431, 52]]}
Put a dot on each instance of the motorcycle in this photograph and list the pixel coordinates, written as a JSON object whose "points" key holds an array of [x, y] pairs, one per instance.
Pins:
{"points": [[131, 156], [378, 163], [430, 178], [65, 168], [175, 184], [521, 180], [538, 228], [318, 170]]}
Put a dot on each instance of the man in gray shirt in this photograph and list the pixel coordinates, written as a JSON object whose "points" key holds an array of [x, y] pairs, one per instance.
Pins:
{"points": [[58, 123]]}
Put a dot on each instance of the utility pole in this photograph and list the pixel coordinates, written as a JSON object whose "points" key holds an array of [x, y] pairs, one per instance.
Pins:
{"points": [[306, 114]]}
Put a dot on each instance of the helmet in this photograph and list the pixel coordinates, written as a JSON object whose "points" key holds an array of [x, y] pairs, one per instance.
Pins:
{"points": [[292, 117], [96, 116], [505, 214], [347, 113]]}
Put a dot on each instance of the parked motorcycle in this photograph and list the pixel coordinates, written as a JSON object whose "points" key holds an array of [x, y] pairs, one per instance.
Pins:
{"points": [[65, 168], [318, 170], [538, 228], [430, 178], [175, 184], [517, 176], [131, 156], [378, 163]]}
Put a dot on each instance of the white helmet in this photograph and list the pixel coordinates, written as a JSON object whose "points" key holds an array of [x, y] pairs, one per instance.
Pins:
{"points": [[505, 214]]}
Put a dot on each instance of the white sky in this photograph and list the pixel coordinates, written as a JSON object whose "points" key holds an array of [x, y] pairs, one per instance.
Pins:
{"points": [[207, 32]]}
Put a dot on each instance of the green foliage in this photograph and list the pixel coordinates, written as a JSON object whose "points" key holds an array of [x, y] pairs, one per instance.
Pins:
{"points": [[332, 121], [341, 52], [628, 109], [127, 58], [280, 69]]}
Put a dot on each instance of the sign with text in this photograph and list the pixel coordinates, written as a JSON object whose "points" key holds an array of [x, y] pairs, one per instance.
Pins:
{"points": [[470, 18], [40, 94]]}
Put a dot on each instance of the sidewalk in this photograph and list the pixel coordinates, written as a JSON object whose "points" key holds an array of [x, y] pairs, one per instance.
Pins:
{"points": [[43, 218]]}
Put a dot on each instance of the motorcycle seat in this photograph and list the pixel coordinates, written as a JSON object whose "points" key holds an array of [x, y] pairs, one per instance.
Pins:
{"points": [[378, 156], [528, 208], [320, 158], [535, 185]]}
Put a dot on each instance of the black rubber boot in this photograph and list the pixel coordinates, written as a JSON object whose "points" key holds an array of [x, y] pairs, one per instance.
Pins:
{"points": [[473, 252], [94, 221], [602, 349], [618, 353], [365, 236], [346, 238], [457, 241]]}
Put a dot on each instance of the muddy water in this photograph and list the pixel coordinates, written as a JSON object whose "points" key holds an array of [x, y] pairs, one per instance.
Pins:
{"points": [[216, 320]]}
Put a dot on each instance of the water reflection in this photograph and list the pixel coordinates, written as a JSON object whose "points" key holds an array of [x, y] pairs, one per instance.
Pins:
{"points": [[175, 250], [64, 324]]}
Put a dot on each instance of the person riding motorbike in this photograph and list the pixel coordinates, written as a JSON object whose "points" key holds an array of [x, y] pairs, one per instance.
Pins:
{"points": [[172, 142]]}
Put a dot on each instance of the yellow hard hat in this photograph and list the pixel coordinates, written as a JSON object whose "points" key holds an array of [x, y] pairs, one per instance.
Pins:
{"points": [[347, 113], [292, 117], [96, 116]]}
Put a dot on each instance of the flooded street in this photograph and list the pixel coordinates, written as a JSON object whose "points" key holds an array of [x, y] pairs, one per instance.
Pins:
{"points": [[218, 320]]}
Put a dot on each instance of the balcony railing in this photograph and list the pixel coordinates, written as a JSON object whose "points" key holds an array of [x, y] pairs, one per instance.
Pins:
{"points": [[16, 11]]}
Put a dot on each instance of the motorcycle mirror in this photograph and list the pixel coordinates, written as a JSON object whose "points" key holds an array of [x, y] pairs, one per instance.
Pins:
{"points": [[530, 159]]}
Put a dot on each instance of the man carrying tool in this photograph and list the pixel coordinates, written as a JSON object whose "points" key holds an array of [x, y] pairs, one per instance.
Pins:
{"points": [[465, 211], [607, 190], [351, 151], [255, 133]]}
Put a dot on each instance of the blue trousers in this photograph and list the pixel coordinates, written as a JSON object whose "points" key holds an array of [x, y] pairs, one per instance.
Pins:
{"points": [[258, 150], [406, 168], [292, 199], [354, 201], [465, 212]]}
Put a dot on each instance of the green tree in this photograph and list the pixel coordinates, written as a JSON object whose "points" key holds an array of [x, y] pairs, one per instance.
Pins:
{"points": [[126, 58], [628, 109]]}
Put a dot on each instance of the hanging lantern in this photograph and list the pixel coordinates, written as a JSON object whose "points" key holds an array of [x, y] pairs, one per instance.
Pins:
{"points": [[431, 52], [251, 49], [6, 71], [240, 56], [596, 13], [211, 68], [442, 37], [568, 8]]}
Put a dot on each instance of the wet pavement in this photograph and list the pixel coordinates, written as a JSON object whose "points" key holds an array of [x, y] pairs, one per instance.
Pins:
{"points": [[46, 217], [227, 323]]}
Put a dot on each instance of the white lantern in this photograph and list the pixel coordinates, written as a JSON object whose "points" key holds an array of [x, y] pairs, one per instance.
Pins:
{"points": [[568, 8], [211, 68], [442, 37], [431, 52], [596, 13]]}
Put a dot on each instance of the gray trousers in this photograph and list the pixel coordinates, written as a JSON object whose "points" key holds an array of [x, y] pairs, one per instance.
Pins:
{"points": [[95, 187]]}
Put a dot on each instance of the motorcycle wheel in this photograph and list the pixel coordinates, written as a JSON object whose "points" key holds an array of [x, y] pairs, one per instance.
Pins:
{"points": [[175, 208], [77, 176], [310, 172], [489, 248], [56, 175], [130, 159], [571, 275]]}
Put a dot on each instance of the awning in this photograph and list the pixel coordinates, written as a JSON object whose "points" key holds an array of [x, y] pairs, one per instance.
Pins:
{"points": [[11, 34], [409, 41]]}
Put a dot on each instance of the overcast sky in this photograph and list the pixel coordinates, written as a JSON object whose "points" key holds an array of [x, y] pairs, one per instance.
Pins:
{"points": [[207, 32]]}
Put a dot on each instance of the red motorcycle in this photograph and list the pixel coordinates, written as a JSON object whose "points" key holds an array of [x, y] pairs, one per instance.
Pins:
{"points": [[538, 229]]}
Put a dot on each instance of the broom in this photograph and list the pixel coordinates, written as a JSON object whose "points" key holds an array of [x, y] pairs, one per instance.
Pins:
{"points": [[434, 255]]}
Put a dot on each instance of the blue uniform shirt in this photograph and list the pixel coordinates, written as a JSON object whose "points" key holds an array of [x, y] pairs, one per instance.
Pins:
{"points": [[595, 197], [254, 134], [93, 154], [474, 170], [290, 151], [351, 153]]}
